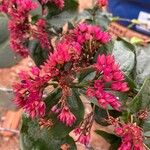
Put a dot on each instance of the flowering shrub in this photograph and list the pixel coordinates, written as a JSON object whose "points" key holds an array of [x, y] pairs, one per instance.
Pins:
{"points": [[83, 61]]}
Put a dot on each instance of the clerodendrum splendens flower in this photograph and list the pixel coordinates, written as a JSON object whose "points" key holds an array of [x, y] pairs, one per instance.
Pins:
{"points": [[132, 136], [74, 52], [21, 27]]}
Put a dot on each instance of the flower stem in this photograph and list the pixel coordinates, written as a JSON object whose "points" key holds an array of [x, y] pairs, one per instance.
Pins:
{"points": [[147, 148]]}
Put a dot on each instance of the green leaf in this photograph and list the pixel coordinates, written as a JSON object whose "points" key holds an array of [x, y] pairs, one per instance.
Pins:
{"points": [[131, 83], [84, 15], [86, 75], [7, 57], [38, 54], [3, 28], [146, 124], [110, 138], [124, 55], [147, 134], [76, 106], [143, 63], [54, 10], [102, 19], [34, 138], [61, 19], [105, 49], [142, 99]]}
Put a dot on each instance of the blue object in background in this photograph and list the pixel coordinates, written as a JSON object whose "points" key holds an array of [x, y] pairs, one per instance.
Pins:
{"points": [[129, 9]]}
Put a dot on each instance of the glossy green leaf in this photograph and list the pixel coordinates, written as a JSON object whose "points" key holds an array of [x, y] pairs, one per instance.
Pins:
{"points": [[61, 19], [69, 5], [38, 54], [110, 138], [143, 63], [102, 19], [86, 75], [7, 57], [105, 49], [142, 99], [131, 83], [147, 134], [34, 138], [124, 55], [3, 28]]}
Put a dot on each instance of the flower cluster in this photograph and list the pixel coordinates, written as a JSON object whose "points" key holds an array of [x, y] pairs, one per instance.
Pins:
{"points": [[21, 27], [58, 3], [18, 11], [111, 78], [84, 32], [64, 52], [131, 135], [17, 8], [61, 67], [84, 138], [29, 92], [39, 32], [66, 116]]}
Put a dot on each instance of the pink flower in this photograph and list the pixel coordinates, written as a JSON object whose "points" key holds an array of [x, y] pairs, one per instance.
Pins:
{"points": [[66, 51], [67, 117], [26, 5], [84, 32], [19, 26], [84, 139], [35, 109], [28, 93], [18, 37], [77, 131], [107, 66], [55, 109], [131, 135], [41, 34], [105, 99], [4, 5], [120, 86], [90, 92], [110, 77]]}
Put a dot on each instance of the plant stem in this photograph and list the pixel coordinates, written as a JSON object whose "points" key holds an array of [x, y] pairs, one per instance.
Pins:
{"points": [[107, 113], [147, 148]]}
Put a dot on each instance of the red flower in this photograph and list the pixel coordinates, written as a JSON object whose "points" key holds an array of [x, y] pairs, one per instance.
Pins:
{"points": [[120, 86], [84, 139], [112, 77], [66, 116], [84, 32], [28, 93], [35, 109], [39, 32], [132, 136], [102, 3]]}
